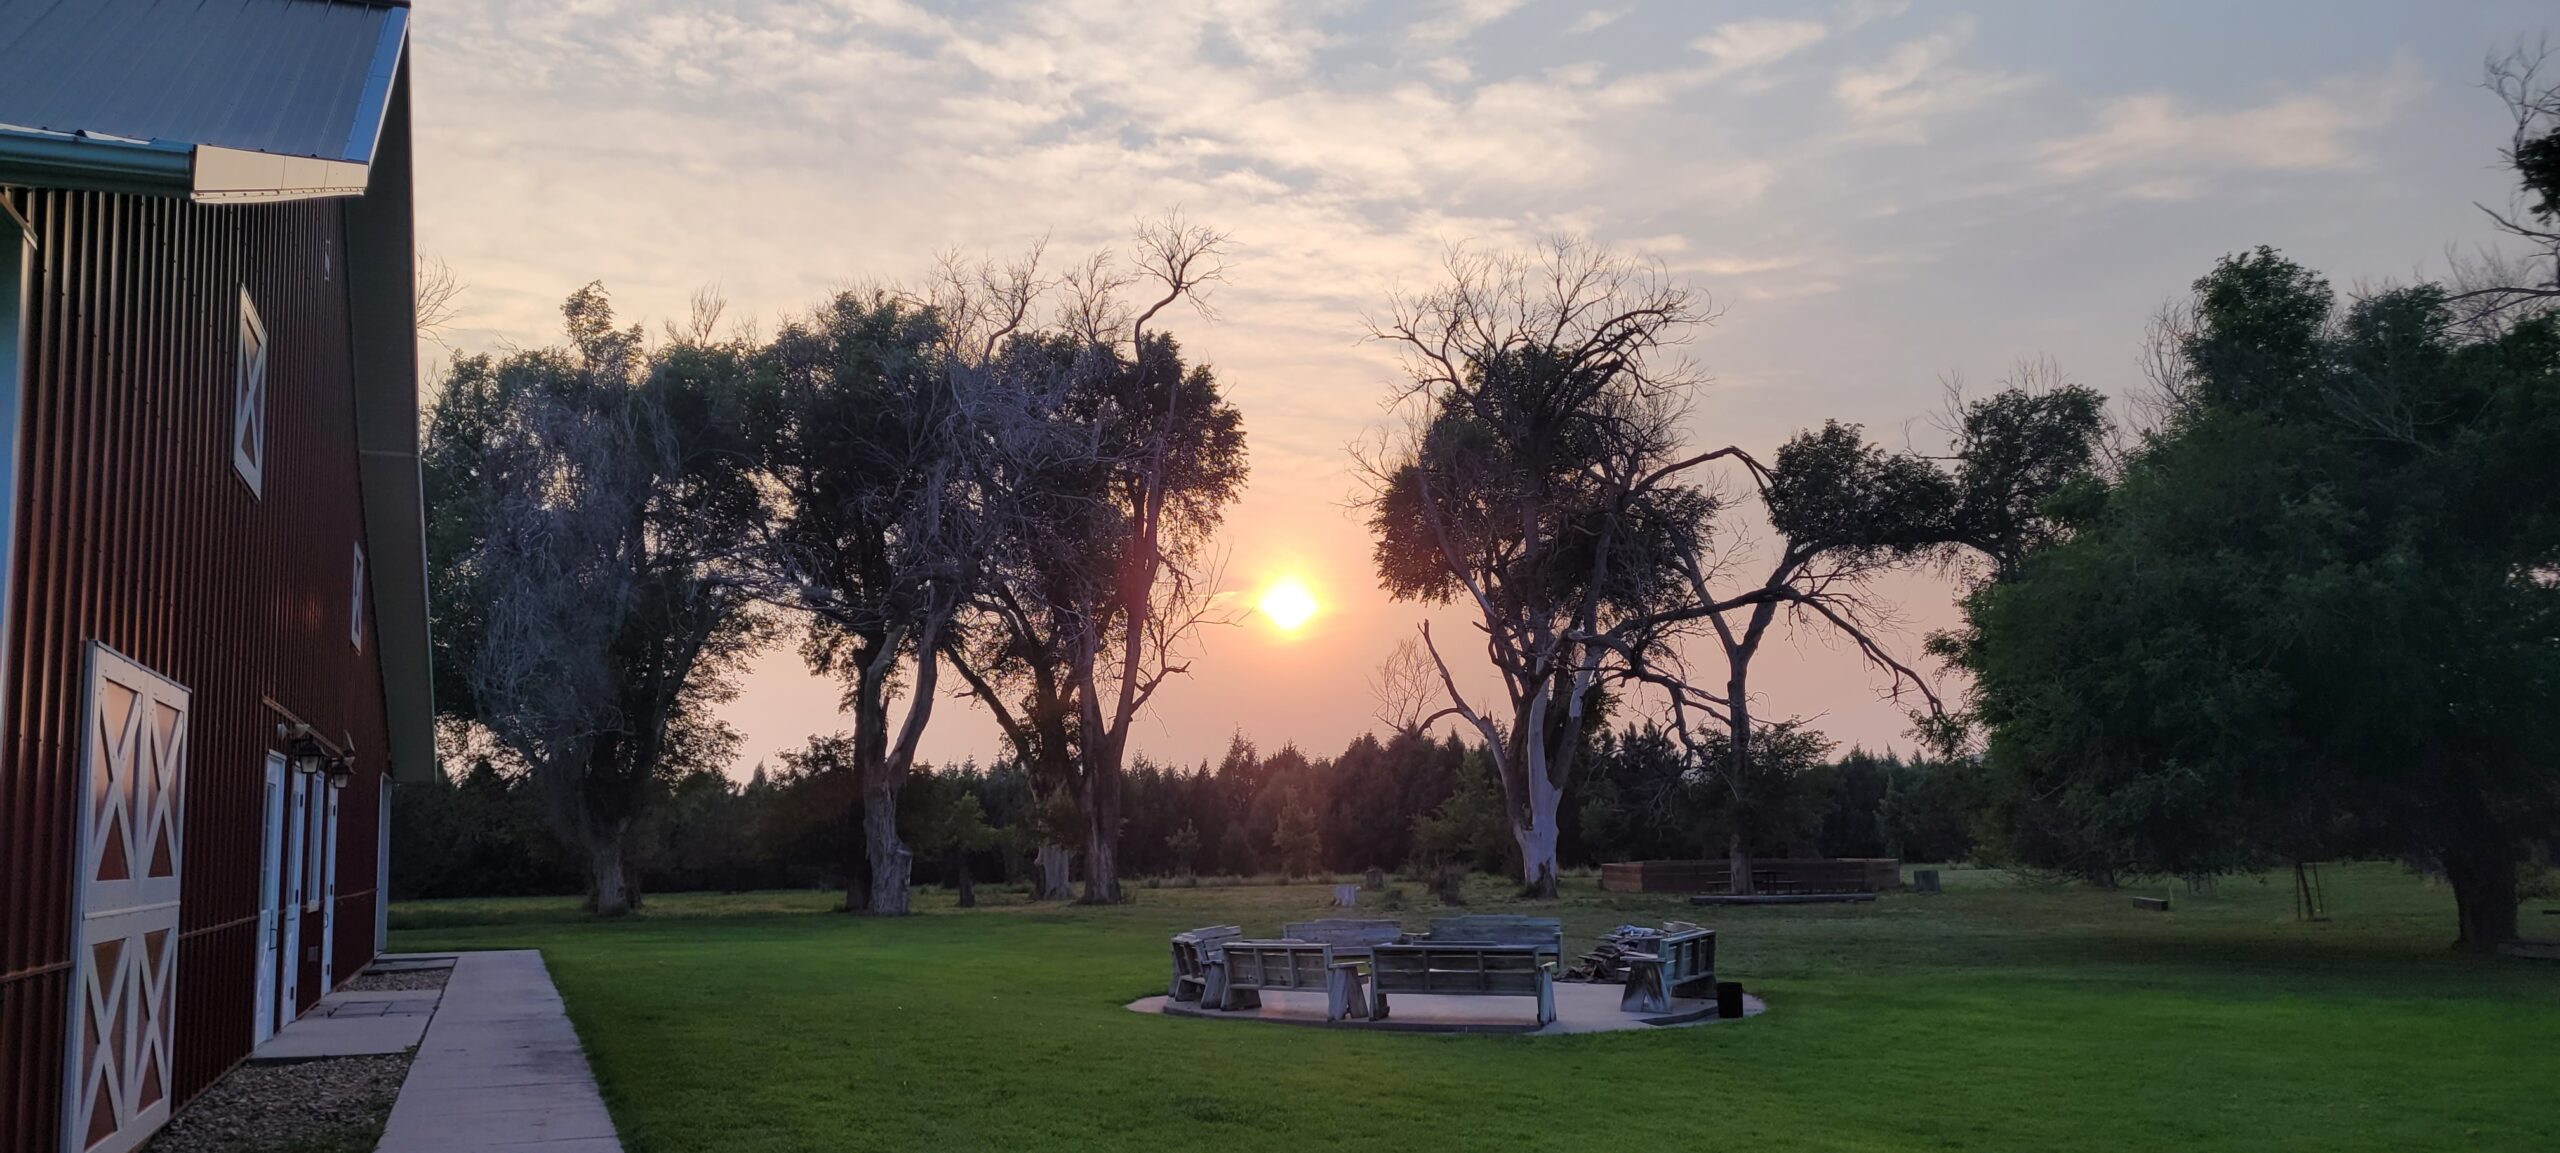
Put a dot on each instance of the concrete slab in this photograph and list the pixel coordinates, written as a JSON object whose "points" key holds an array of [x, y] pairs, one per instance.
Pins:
{"points": [[347, 1024], [500, 1069], [1580, 1008]]}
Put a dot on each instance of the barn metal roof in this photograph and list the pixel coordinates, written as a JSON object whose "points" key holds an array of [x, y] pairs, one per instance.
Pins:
{"points": [[221, 99]]}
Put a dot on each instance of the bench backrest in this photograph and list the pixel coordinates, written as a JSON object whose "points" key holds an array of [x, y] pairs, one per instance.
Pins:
{"points": [[1459, 969], [1277, 964], [1189, 948], [1547, 933], [1345, 932], [1687, 954]]}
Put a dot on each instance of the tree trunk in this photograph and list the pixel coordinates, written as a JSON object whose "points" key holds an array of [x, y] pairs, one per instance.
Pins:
{"points": [[968, 886], [1537, 856], [1054, 867], [1102, 835], [1738, 847], [608, 890], [888, 859], [2484, 896]]}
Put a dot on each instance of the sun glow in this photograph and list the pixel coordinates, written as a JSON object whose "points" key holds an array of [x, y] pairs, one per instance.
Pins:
{"points": [[1288, 603]]}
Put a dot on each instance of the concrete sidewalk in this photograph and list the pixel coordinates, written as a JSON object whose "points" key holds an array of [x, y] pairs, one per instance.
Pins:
{"points": [[500, 1069]]}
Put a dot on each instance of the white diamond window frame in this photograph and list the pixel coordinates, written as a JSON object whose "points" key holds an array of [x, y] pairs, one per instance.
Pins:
{"points": [[249, 399]]}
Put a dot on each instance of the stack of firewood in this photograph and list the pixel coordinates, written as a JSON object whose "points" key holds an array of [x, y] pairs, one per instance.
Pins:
{"points": [[1607, 965]]}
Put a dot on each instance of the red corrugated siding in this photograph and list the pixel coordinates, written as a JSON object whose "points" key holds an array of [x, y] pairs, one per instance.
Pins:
{"points": [[134, 530]]}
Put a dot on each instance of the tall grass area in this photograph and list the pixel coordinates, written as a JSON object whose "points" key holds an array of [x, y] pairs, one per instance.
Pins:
{"points": [[2002, 1014]]}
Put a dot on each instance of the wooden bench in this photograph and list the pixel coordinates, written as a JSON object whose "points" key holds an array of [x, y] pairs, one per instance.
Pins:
{"points": [[1195, 962], [1253, 966], [1546, 933], [1458, 969], [1683, 958], [1349, 936]]}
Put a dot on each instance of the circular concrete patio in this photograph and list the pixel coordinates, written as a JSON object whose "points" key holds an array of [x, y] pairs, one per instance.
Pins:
{"points": [[1580, 1008]]}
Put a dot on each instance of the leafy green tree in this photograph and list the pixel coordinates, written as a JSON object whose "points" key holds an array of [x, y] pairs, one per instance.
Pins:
{"points": [[1295, 840], [1184, 845], [955, 828], [2322, 587]]}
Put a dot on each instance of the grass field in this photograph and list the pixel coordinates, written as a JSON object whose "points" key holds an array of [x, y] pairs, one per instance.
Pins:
{"points": [[2000, 1015]]}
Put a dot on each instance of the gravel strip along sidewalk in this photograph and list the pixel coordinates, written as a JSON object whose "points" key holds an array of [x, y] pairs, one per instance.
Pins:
{"points": [[372, 982], [325, 1106]]}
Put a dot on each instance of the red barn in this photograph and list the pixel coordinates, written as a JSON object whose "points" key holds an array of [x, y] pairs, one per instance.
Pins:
{"points": [[213, 647]]}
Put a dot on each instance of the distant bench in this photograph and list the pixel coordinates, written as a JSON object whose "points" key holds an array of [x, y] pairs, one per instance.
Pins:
{"points": [[1546, 933], [1349, 936]]}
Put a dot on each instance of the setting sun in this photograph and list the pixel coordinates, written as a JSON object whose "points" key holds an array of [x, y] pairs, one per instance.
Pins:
{"points": [[1288, 603]]}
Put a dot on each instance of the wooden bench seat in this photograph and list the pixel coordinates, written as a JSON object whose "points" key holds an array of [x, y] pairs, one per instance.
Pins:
{"points": [[1253, 966], [1463, 969]]}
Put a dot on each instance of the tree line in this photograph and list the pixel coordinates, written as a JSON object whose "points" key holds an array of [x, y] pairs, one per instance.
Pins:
{"points": [[1404, 803], [2300, 601]]}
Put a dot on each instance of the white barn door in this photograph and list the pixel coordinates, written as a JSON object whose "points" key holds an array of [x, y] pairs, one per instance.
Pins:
{"points": [[271, 907], [133, 754]]}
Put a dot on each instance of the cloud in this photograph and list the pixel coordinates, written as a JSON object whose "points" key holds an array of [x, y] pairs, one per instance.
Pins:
{"points": [[2154, 146], [1919, 82], [1758, 43], [1595, 19], [1458, 19]]}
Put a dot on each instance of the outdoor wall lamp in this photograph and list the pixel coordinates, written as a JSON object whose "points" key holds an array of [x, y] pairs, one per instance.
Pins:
{"points": [[304, 750]]}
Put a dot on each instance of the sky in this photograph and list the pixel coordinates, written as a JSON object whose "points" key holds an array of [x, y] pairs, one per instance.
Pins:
{"points": [[1880, 199]]}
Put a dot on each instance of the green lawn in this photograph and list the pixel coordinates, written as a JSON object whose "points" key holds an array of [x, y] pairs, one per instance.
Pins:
{"points": [[2000, 1015]]}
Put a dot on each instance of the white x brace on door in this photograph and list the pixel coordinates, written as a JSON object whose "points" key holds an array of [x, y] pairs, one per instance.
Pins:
{"points": [[133, 755]]}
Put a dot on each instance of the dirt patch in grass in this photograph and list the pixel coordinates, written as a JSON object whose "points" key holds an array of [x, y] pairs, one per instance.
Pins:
{"points": [[332, 1105]]}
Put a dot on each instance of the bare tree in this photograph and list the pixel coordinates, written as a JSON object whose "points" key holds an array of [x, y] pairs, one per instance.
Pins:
{"points": [[439, 298], [2493, 288], [1405, 687]]}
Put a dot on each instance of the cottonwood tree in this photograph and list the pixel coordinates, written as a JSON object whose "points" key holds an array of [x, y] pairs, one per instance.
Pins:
{"points": [[890, 432], [585, 504], [1541, 482], [1105, 574], [1842, 511]]}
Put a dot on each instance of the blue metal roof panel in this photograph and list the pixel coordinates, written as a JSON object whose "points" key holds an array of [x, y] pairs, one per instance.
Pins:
{"points": [[283, 77]]}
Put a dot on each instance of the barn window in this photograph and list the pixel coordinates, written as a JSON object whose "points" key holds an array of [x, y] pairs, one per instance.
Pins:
{"points": [[355, 604], [249, 399]]}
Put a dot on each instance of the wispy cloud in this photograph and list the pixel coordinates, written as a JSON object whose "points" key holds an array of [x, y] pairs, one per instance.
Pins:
{"points": [[1455, 20], [1758, 43], [1595, 19], [1918, 82], [2154, 145]]}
